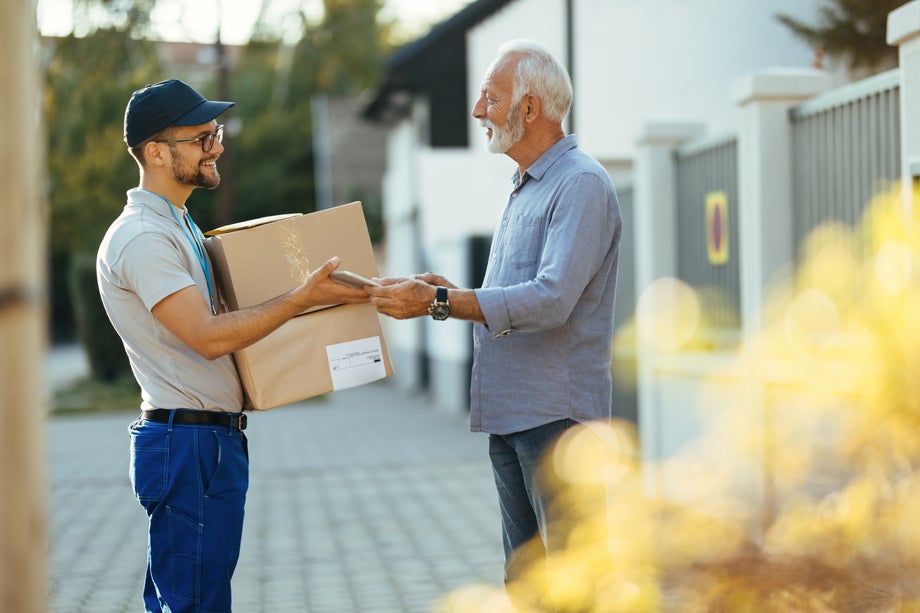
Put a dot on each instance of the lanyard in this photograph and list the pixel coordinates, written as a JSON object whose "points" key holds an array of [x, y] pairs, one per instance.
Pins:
{"points": [[190, 230]]}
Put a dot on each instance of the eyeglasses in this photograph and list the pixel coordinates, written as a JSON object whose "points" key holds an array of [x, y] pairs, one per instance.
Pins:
{"points": [[207, 140]]}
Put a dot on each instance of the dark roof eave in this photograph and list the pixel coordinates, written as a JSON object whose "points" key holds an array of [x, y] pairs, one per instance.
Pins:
{"points": [[403, 62]]}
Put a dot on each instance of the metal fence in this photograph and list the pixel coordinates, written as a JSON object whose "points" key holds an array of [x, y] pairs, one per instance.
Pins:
{"points": [[846, 148], [707, 226]]}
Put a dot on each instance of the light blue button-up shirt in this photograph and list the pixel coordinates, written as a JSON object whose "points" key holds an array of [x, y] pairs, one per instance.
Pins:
{"points": [[547, 298]]}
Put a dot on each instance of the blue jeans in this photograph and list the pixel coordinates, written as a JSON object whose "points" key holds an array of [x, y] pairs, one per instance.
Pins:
{"points": [[192, 481], [526, 503]]}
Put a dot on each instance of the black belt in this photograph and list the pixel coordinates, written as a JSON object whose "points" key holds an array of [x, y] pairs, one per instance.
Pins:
{"points": [[237, 421]]}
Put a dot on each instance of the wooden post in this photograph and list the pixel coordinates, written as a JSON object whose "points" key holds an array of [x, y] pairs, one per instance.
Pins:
{"points": [[22, 315]]}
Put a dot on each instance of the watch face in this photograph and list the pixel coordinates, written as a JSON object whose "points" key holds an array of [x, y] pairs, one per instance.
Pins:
{"points": [[440, 311]]}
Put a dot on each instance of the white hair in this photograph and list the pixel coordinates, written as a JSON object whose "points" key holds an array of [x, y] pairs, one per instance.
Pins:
{"points": [[538, 72]]}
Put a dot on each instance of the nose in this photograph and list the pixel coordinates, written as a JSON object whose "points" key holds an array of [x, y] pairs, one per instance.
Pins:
{"points": [[478, 112]]}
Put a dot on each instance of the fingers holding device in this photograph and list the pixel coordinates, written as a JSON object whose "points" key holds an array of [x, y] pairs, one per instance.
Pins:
{"points": [[351, 279]]}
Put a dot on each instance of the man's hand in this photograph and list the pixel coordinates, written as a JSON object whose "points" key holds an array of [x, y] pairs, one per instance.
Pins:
{"points": [[402, 298], [433, 279], [407, 298], [319, 289]]}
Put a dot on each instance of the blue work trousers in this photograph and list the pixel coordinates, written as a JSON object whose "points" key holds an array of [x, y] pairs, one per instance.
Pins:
{"points": [[192, 481]]}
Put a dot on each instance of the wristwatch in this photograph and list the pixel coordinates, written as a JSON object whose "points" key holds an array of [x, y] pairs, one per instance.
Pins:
{"points": [[440, 308]]}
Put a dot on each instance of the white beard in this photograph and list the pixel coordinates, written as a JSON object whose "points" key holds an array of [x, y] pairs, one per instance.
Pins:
{"points": [[507, 136]]}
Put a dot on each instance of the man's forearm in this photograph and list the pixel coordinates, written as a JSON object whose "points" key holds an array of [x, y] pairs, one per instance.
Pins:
{"points": [[465, 305], [239, 329], [235, 330]]}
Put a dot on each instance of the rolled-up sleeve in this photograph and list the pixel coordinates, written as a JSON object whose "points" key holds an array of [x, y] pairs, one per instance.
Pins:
{"points": [[495, 310]]}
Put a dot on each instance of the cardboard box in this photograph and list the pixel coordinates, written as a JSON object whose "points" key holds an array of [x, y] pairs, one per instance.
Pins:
{"points": [[325, 348]]}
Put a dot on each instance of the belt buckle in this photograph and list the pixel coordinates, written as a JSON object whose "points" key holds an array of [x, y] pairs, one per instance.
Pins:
{"points": [[243, 420]]}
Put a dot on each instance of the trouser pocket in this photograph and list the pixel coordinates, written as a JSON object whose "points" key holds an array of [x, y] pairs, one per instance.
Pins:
{"points": [[149, 461], [224, 469]]}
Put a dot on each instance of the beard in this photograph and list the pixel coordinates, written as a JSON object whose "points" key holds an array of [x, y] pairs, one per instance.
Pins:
{"points": [[507, 136], [194, 177]]}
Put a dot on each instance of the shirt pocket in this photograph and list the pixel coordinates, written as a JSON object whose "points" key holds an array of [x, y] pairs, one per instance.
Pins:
{"points": [[525, 239]]}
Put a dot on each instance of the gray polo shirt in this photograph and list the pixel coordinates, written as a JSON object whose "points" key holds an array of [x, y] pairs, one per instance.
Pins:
{"points": [[145, 257], [547, 298]]}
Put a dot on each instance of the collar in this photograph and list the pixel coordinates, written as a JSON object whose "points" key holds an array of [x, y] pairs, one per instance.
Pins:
{"points": [[156, 203], [549, 157]]}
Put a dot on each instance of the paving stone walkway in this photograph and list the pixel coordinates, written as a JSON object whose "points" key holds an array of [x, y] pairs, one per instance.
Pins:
{"points": [[367, 500]]}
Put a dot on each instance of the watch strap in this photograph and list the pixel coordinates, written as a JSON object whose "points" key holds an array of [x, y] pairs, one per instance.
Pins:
{"points": [[440, 308]]}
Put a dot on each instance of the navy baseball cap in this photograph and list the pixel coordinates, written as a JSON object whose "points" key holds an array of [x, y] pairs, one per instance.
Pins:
{"points": [[164, 104]]}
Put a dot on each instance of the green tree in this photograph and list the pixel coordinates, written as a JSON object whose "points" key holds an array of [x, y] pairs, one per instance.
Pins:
{"points": [[274, 85], [853, 31], [129, 16], [272, 151], [346, 50], [87, 81]]}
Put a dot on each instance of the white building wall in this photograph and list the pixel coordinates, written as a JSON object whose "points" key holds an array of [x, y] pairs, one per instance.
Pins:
{"points": [[649, 60], [673, 60], [463, 194], [399, 179], [404, 338], [456, 207], [460, 196]]}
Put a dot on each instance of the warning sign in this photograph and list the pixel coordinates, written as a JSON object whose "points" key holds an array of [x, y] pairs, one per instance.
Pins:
{"points": [[717, 227]]}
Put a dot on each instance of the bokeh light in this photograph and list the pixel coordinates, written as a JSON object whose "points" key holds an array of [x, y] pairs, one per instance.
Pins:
{"points": [[802, 492]]}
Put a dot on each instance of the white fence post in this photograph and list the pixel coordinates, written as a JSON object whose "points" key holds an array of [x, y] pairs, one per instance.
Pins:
{"points": [[904, 33], [656, 199], [655, 207], [765, 213], [765, 227]]}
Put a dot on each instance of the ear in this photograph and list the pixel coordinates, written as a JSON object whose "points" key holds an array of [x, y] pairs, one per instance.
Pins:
{"points": [[153, 153], [530, 107]]}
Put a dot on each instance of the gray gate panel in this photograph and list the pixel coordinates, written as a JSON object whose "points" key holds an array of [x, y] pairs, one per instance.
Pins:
{"points": [[846, 149], [703, 167]]}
